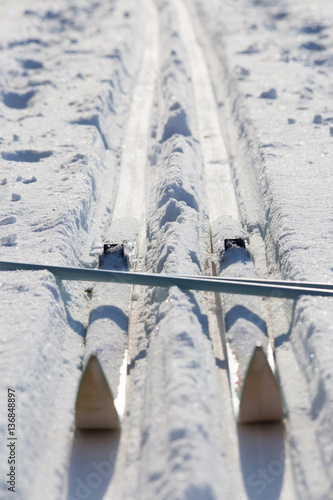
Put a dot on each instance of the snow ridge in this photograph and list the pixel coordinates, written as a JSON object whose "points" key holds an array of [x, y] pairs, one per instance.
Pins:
{"points": [[282, 183], [180, 400], [60, 150]]}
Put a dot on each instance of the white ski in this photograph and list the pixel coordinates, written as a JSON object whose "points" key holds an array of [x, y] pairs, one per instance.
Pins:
{"points": [[261, 399], [95, 407], [107, 335], [255, 392]]}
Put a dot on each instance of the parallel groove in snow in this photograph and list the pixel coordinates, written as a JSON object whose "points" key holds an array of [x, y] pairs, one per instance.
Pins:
{"points": [[222, 201], [58, 203], [68, 69], [130, 200], [220, 192], [173, 404], [221, 41], [109, 335]]}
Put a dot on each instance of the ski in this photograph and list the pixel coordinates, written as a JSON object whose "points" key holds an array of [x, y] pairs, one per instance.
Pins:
{"points": [[261, 398], [95, 408], [107, 335], [255, 392]]}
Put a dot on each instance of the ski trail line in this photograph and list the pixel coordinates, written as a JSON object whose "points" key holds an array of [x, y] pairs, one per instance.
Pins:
{"points": [[130, 200], [220, 188], [222, 201]]}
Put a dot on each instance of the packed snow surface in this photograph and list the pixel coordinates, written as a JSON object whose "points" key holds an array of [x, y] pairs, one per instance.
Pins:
{"points": [[172, 125]]}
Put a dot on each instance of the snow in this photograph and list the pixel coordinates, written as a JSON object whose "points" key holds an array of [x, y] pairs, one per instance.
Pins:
{"points": [[111, 120], [56, 121], [281, 168]]}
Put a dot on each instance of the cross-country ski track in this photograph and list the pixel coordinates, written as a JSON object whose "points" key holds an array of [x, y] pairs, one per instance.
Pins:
{"points": [[183, 138]]}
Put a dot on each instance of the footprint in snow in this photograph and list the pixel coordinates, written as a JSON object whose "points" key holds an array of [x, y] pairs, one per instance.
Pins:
{"points": [[30, 181], [26, 155], [7, 220], [9, 241], [313, 46], [312, 29], [251, 49], [280, 15], [268, 94], [30, 64], [17, 101]]}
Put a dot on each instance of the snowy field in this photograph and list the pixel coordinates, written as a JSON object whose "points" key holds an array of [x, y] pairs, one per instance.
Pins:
{"points": [[173, 125]]}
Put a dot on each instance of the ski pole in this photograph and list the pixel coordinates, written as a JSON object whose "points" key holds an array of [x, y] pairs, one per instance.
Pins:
{"points": [[209, 284]]}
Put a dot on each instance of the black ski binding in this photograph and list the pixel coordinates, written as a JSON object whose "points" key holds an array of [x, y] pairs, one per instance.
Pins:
{"points": [[115, 256], [234, 242]]}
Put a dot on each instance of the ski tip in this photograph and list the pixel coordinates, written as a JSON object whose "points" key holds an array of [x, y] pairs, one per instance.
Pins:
{"points": [[95, 407], [261, 399]]}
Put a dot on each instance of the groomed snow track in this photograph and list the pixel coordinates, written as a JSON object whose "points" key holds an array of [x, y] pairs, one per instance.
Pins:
{"points": [[155, 122]]}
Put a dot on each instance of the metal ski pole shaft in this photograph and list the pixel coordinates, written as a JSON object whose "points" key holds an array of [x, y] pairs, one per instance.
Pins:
{"points": [[292, 284], [163, 280]]}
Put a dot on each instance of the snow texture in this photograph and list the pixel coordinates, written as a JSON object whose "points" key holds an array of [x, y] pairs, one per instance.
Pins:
{"points": [[65, 94], [180, 396], [70, 72], [280, 150]]}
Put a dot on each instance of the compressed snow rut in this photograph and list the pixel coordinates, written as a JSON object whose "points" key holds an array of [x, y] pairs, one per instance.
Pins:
{"points": [[224, 221], [278, 235], [108, 332], [220, 191], [142, 98], [131, 191]]}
